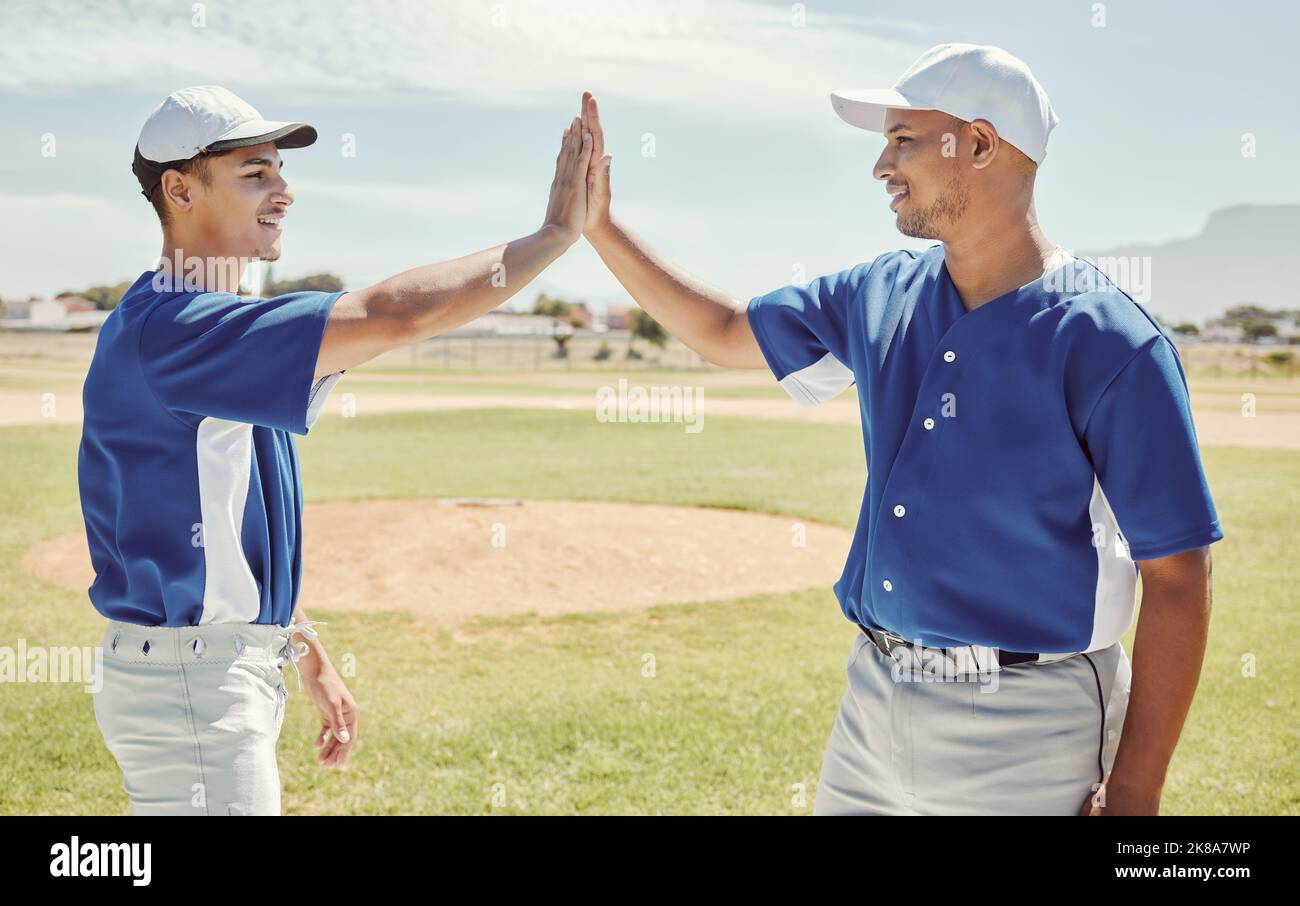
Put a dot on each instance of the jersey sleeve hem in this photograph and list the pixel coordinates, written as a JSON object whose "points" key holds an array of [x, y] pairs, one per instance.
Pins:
{"points": [[1200, 538], [801, 392], [312, 396], [798, 392], [320, 390]]}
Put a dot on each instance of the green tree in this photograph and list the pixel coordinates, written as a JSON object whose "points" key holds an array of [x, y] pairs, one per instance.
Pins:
{"points": [[323, 282], [552, 308], [1256, 329], [1187, 328], [1240, 314], [645, 328], [565, 314], [561, 333], [105, 296]]}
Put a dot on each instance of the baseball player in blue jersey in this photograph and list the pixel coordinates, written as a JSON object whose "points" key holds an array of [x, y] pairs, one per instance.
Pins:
{"points": [[188, 469], [1030, 453]]}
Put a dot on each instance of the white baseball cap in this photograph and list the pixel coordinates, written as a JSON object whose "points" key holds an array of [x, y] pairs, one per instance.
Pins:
{"points": [[205, 118], [968, 81]]}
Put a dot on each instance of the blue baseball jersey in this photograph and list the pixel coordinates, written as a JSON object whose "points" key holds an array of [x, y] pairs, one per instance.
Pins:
{"points": [[1021, 456], [187, 467]]}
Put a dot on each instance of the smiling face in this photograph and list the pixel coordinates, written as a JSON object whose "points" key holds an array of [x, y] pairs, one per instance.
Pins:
{"points": [[923, 173], [237, 211]]}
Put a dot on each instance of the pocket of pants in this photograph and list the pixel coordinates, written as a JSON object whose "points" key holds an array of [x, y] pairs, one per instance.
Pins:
{"points": [[856, 648], [262, 679], [282, 698], [1116, 706]]}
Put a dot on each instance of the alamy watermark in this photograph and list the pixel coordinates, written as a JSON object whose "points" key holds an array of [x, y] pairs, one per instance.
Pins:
{"points": [[52, 664], [76, 859], [917, 663], [195, 273], [1130, 273], [631, 403]]}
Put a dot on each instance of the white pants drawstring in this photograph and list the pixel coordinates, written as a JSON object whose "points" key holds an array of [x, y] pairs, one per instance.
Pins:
{"points": [[294, 650]]}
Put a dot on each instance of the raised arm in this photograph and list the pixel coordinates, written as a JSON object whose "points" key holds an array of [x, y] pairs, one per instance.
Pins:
{"points": [[702, 317], [433, 299]]}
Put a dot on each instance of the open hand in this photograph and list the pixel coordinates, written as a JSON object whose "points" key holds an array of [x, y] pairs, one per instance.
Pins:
{"points": [[568, 203], [598, 193]]}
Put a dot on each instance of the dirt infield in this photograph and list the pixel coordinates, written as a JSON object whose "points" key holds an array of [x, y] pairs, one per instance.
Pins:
{"points": [[452, 560]]}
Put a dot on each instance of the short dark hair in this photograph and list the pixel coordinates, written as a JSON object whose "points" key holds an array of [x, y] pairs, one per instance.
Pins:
{"points": [[199, 166]]}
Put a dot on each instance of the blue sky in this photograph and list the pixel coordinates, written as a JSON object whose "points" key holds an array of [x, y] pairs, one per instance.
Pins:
{"points": [[457, 110]]}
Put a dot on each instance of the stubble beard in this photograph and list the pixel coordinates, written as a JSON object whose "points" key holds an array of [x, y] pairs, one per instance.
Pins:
{"points": [[945, 210]]}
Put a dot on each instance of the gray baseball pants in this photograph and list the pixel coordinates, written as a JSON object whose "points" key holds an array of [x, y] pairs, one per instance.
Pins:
{"points": [[1026, 739], [192, 715]]}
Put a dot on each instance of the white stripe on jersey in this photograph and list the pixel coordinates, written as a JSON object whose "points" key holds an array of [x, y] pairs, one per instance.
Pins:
{"points": [[225, 457], [1116, 595], [824, 379]]}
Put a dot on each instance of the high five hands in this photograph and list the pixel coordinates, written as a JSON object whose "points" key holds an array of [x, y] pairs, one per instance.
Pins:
{"points": [[701, 316], [566, 210], [579, 202], [597, 168]]}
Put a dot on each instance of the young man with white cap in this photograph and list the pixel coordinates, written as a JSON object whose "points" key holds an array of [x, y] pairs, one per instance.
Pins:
{"points": [[188, 469], [1030, 450]]}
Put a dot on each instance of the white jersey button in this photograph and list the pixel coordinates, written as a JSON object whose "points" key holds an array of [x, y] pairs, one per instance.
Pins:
{"points": [[899, 510], [950, 356], [889, 586], [929, 424]]}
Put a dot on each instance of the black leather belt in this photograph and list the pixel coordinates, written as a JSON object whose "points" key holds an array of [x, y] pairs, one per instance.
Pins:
{"points": [[888, 643]]}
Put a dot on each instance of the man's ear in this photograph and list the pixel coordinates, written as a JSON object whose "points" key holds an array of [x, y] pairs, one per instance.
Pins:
{"points": [[986, 143], [176, 188]]}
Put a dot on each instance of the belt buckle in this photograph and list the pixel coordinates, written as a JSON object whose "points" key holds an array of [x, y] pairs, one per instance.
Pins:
{"points": [[893, 642]]}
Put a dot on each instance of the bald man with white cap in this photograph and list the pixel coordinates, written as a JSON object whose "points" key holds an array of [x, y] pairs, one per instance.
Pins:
{"points": [[1030, 448]]}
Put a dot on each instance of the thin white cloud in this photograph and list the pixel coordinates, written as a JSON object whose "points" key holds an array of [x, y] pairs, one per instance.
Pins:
{"points": [[723, 60], [726, 56]]}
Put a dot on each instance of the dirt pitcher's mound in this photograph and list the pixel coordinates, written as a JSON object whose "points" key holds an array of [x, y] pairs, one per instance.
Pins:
{"points": [[481, 558]]}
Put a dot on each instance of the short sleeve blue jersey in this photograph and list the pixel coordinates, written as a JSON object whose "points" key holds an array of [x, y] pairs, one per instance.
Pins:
{"points": [[187, 467], [1022, 456]]}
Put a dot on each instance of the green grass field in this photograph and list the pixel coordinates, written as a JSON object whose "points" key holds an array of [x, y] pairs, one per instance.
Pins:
{"points": [[533, 715]]}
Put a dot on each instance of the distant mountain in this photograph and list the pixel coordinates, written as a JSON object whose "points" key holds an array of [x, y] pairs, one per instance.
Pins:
{"points": [[1242, 256]]}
